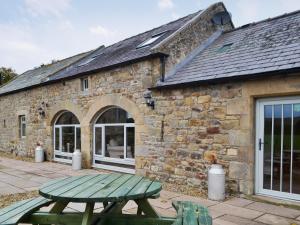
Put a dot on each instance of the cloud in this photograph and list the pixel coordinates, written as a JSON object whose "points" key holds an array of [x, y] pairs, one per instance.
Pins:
{"points": [[101, 31], [47, 7], [165, 4]]}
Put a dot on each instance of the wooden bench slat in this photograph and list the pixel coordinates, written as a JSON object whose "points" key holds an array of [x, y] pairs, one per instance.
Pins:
{"points": [[20, 209], [189, 213]]}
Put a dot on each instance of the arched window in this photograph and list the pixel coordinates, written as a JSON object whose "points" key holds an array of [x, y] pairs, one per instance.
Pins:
{"points": [[66, 137], [114, 140]]}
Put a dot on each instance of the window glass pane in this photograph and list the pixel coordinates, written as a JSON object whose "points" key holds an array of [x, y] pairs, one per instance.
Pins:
{"points": [[267, 146], [23, 129], [57, 134], [114, 140], [286, 160], [277, 147], [98, 140], [115, 115], [78, 139], [67, 118], [296, 151], [130, 142], [68, 139]]}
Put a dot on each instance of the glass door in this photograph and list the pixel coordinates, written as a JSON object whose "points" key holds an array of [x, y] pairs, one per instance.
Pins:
{"points": [[278, 148]]}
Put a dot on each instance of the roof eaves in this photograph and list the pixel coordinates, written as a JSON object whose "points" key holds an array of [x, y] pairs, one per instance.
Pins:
{"points": [[242, 77]]}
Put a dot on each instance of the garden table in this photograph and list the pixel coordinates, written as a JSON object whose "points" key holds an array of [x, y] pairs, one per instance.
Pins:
{"points": [[113, 190]]}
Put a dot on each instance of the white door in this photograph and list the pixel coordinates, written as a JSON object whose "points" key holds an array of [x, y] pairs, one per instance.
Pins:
{"points": [[278, 147]]}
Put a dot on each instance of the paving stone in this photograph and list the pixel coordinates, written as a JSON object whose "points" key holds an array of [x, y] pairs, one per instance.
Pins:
{"points": [[80, 207], [236, 220], [169, 195], [215, 214], [130, 205], [236, 211], [298, 218], [276, 220], [273, 209], [161, 203], [240, 202], [171, 212], [202, 201]]}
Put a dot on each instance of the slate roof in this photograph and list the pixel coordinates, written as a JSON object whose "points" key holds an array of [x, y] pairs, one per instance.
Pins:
{"points": [[258, 48], [38, 75], [123, 51]]}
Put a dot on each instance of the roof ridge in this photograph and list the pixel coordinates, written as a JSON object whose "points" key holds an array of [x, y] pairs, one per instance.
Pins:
{"points": [[263, 21]]}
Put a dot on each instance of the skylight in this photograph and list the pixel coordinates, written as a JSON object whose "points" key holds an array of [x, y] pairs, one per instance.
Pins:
{"points": [[86, 62], [225, 47], [150, 40]]}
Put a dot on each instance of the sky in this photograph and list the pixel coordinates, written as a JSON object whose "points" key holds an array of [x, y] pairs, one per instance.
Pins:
{"points": [[33, 32]]}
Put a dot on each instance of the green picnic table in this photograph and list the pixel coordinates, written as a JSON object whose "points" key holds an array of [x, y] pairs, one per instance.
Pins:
{"points": [[113, 190]]}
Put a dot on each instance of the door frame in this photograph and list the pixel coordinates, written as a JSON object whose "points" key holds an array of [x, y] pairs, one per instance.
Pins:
{"points": [[259, 153]]}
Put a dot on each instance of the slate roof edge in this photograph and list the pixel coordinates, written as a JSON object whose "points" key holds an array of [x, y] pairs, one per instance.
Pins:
{"points": [[245, 77], [262, 21], [193, 54], [128, 62], [43, 82], [153, 55], [196, 17]]}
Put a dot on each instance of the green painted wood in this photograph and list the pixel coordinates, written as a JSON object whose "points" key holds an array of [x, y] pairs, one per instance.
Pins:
{"points": [[17, 211], [88, 214], [146, 208], [100, 188], [59, 207], [65, 189], [153, 189], [139, 190], [103, 193], [125, 188], [76, 219], [189, 213], [60, 183], [83, 187], [86, 195]]}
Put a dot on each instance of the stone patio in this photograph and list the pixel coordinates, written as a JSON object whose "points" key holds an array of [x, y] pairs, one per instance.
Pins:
{"points": [[19, 176]]}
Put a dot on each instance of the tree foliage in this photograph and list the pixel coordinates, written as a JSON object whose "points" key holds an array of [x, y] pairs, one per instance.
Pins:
{"points": [[6, 74]]}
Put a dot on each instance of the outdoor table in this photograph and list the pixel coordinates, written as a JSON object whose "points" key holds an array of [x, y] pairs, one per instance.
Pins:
{"points": [[113, 190]]}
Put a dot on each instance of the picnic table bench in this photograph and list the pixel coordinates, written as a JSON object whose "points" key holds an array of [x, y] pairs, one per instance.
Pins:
{"points": [[114, 191]]}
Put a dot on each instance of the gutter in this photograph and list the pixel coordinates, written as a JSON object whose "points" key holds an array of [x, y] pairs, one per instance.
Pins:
{"points": [[248, 77]]}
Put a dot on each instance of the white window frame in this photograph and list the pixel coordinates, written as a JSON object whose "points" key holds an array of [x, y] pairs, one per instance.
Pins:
{"points": [[259, 190], [85, 84], [22, 121], [103, 158], [59, 152]]}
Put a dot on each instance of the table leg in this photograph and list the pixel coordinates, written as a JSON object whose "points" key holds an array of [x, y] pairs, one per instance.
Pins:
{"points": [[58, 207], [144, 206], [88, 214]]}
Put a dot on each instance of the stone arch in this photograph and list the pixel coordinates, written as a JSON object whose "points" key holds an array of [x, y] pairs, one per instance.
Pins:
{"points": [[57, 110], [100, 104]]}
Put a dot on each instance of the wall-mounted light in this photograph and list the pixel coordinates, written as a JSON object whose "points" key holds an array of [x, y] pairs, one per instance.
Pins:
{"points": [[149, 101]]}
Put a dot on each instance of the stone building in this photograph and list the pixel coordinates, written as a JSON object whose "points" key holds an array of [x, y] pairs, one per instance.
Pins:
{"points": [[166, 102]]}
